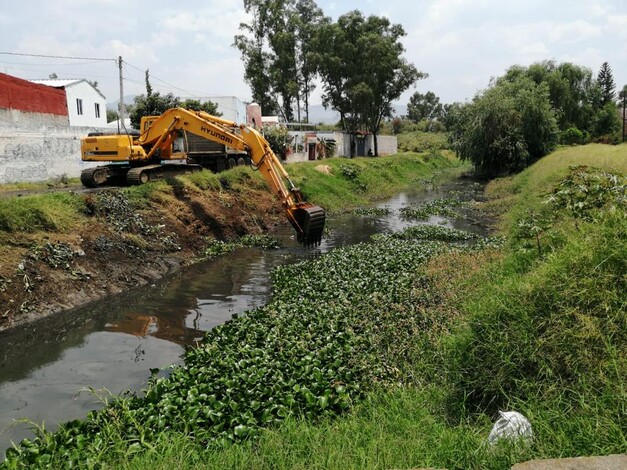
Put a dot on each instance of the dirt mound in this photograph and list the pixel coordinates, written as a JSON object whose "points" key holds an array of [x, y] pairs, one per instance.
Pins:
{"points": [[121, 247]]}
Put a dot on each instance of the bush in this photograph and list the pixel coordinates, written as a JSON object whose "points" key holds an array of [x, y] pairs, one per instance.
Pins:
{"points": [[573, 136], [418, 141], [279, 140]]}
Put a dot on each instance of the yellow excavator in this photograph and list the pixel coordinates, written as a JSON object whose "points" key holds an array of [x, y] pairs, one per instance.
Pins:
{"points": [[159, 151]]}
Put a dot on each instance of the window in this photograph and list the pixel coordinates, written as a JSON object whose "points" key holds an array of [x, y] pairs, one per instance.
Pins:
{"points": [[79, 106], [97, 110]]}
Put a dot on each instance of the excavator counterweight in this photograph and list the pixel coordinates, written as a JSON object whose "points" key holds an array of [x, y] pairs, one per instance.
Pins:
{"points": [[138, 159]]}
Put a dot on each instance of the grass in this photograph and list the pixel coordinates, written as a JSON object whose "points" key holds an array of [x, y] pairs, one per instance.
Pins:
{"points": [[359, 181], [540, 332], [378, 178], [511, 197], [58, 212], [401, 428], [543, 334]]}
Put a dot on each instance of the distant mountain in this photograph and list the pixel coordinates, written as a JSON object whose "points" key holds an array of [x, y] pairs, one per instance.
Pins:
{"points": [[128, 99]]}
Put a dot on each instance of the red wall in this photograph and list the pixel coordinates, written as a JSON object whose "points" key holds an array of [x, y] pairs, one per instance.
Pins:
{"points": [[23, 95]]}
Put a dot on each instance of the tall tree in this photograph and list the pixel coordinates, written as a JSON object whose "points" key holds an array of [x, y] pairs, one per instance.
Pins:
{"points": [[256, 59], [281, 34], [572, 90], [605, 79], [360, 63], [309, 18], [275, 47], [425, 106], [151, 104]]}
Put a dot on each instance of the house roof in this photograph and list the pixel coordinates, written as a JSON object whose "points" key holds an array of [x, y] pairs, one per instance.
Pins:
{"points": [[24, 95], [57, 82], [64, 83]]}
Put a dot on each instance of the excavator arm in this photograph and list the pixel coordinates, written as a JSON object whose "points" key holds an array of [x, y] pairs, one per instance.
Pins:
{"points": [[307, 219]]}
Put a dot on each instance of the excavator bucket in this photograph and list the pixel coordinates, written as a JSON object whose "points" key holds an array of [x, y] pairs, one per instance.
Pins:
{"points": [[308, 221]]}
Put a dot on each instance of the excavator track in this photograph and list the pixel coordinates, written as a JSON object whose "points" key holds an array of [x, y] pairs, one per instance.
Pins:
{"points": [[144, 174], [94, 177]]}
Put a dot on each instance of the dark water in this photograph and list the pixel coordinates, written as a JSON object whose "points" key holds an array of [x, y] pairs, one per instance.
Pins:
{"points": [[48, 368]]}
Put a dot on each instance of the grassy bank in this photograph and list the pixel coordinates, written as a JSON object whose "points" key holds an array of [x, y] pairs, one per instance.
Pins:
{"points": [[398, 353], [53, 246]]}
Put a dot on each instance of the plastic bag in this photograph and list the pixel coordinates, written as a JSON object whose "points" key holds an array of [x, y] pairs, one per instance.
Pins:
{"points": [[510, 425]]}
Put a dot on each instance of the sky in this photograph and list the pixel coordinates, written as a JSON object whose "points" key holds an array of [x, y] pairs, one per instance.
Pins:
{"points": [[187, 45]]}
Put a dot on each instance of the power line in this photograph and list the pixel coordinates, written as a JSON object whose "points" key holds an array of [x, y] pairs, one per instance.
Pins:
{"points": [[56, 56], [190, 93], [49, 64]]}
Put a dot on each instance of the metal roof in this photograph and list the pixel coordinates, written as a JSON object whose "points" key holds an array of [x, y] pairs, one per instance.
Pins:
{"points": [[58, 82], [64, 83]]}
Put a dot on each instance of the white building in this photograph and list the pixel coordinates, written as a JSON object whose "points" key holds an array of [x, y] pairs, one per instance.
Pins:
{"points": [[87, 107], [231, 107]]}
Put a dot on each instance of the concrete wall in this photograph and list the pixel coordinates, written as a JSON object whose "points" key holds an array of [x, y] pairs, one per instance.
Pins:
{"points": [[232, 108], [388, 144], [39, 155], [13, 119], [90, 97]]}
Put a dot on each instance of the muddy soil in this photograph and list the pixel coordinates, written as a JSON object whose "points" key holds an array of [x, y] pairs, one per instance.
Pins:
{"points": [[43, 273]]}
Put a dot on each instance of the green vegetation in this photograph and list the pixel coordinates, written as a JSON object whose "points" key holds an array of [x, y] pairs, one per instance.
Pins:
{"points": [[525, 113], [359, 181], [418, 141], [397, 353], [58, 212], [441, 207], [154, 104]]}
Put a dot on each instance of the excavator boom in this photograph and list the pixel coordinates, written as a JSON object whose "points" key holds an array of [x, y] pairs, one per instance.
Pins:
{"points": [[155, 143]]}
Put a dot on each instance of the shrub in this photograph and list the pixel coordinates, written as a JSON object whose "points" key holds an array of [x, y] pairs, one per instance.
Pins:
{"points": [[572, 136]]}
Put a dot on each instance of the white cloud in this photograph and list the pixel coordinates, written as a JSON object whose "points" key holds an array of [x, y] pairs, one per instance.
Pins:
{"points": [[574, 32], [460, 43]]}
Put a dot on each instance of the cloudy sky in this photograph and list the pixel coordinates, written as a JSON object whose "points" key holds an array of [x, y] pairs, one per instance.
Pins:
{"points": [[187, 45]]}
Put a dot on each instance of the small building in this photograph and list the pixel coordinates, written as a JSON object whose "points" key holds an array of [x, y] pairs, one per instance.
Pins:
{"points": [[231, 107], [86, 106]]}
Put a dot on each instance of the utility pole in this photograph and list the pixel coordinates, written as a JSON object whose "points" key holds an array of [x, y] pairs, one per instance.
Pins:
{"points": [[122, 110]]}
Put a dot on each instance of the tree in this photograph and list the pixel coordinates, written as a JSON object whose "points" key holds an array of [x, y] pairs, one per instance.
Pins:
{"points": [[112, 115], [309, 18], [572, 90], [362, 71], [275, 48], [606, 83], [256, 59], [151, 104], [208, 107], [607, 122], [425, 106], [506, 128]]}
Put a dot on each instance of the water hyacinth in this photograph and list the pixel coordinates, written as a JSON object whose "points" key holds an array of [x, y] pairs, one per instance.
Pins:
{"points": [[442, 207], [335, 327]]}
